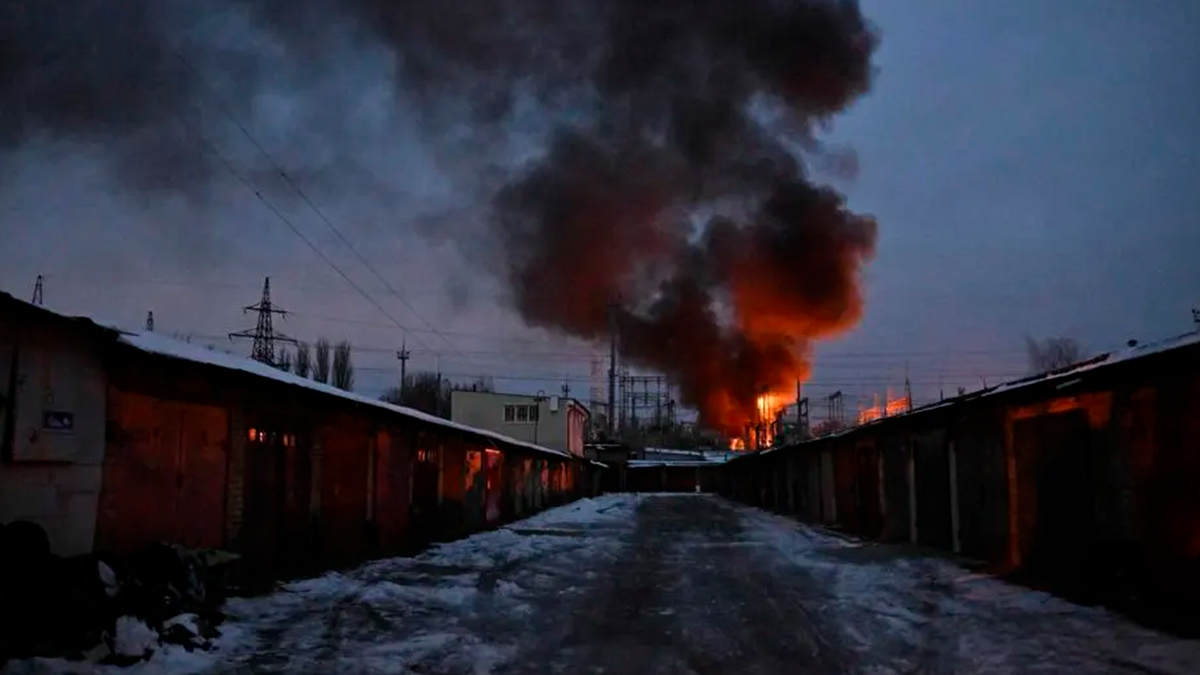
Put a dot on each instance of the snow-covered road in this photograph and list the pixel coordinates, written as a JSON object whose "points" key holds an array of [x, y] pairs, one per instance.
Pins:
{"points": [[665, 584]]}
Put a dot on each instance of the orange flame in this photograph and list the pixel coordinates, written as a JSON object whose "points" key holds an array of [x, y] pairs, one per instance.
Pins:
{"points": [[890, 406], [760, 431]]}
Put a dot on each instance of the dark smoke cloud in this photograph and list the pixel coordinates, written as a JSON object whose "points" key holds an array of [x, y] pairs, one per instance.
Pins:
{"points": [[671, 179], [607, 214]]}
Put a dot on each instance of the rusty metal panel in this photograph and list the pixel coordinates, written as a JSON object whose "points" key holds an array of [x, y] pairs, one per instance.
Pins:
{"points": [[898, 520], [141, 467], [495, 486], [529, 482], [423, 503], [391, 492], [164, 474], [844, 477], [812, 485], [866, 489], [475, 490], [515, 479], [344, 473], [454, 459], [931, 461], [296, 536], [263, 478], [982, 487], [200, 505], [1056, 518]]}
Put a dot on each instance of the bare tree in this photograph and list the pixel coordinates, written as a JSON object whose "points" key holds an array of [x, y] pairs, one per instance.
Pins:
{"points": [[343, 367], [284, 361], [424, 391], [303, 360], [1052, 354], [321, 366]]}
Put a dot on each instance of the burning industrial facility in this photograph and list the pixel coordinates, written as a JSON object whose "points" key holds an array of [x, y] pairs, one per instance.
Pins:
{"points": [[682, 215], [670, 197]]}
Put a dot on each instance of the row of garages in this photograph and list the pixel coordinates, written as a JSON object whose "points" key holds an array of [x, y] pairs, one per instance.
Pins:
{"points": [[654, 477], [1086, 481], [113, 440]]}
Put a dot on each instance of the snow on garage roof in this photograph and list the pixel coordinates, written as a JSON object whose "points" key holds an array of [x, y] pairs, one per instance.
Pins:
{"points": [[162, 345]]}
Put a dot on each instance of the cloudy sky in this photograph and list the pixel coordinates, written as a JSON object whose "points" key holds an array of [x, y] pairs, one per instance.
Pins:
{"points": [[1032, 167]]}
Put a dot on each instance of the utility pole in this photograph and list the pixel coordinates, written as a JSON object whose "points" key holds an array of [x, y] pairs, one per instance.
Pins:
{"points": [[264, 334], [799, 398], [612, 366], [438, 406], [1196, 317], [566, 387], [907, 390], [403, 355], [37, 292], [150, 321], [646, 393], [802, 413], [537, 413], [658, 401]]}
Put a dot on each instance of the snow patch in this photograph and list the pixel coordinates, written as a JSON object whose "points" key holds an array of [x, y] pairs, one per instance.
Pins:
{"points": [[891, 601], [134, 638]]}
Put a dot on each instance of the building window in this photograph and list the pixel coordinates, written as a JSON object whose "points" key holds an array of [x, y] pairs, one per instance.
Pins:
{"points": [[520, 413]]}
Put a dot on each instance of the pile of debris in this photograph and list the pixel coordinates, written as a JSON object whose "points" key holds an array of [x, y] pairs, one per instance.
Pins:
{"points": [[100, 609]]}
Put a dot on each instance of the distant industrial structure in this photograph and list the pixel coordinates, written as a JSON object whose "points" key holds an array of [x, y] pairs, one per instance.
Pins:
{"points": [[557, 422]]}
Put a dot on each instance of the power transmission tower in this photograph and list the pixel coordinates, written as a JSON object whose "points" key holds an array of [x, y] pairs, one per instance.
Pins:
{"points": [[150, 321], [835, 407], [37, 291], [566, 387], [403, 356], [264, 334]]}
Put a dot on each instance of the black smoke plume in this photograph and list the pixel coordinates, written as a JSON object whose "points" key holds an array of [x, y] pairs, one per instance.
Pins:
{"points": [[673, 180]]}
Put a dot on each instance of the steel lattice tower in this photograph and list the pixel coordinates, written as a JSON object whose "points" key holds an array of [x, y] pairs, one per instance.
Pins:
{"points": [[264, 334]]}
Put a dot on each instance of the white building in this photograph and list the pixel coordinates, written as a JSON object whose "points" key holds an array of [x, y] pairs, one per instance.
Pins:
{"points": [[551, 421]]}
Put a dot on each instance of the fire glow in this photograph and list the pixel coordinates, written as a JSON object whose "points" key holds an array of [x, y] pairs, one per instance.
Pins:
{"points": [[890, 406], [688, 226], [761, 433]]}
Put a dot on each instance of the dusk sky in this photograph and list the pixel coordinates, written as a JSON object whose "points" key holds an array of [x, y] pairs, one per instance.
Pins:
{"points": [[1032, 166]]}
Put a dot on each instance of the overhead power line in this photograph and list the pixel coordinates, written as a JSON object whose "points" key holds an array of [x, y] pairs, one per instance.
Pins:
{"points": [[312, 205], [953, 372], [295, 230]]}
